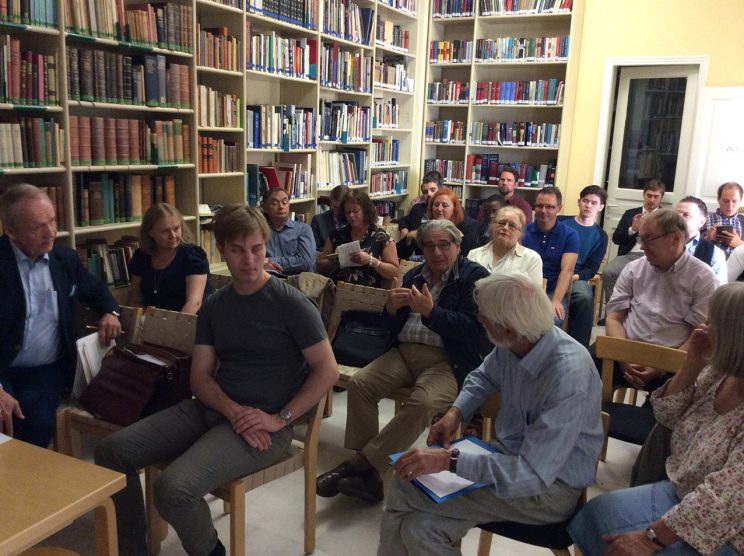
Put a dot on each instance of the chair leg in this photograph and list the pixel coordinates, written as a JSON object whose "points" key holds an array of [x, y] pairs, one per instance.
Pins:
{"points": [[237, 518], [311, 471], [484, 543], [72, 437], [328, 409]]}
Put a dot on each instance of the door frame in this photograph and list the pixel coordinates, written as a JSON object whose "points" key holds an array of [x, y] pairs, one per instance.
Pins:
{"points": [[609, 83]]}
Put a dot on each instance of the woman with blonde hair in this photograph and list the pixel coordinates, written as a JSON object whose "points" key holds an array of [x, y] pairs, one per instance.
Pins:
{"points": [[168, 270]]}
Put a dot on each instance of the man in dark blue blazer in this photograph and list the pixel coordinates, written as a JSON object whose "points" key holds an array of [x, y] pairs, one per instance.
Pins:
{"points": [[326, 222], [40, 286]]}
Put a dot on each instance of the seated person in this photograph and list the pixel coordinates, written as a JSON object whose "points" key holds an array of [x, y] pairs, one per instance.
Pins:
{"points": [[548, 433], [592, 249], [659, 298], [377, 259], [272, 369], [694, 212], [504, 253], [558, 247], [291, 247], [326, 222], [42, 284], [626, 234], [487, 210], [168, 270], [700, 508], [411, 222], [508, 180], [727, 214], [735, 265], [446, 205], [440, 341]]}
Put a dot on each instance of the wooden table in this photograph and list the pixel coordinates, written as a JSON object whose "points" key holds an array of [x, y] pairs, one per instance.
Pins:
{"points": [[41, 492]]}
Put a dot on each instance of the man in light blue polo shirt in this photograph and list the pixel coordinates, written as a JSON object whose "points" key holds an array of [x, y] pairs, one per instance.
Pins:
{"points": [[558, 246], [291, 246]]}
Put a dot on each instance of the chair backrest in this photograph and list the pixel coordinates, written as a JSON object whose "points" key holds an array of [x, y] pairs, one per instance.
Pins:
{"points": [[610, 350], [319, 288], [489, 411], [220, 280], [393, 230], [169, 328], [404, 266], [353, 297]]}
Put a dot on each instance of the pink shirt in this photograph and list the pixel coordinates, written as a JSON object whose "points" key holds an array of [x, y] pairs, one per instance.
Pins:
{"points": [[663, 307], [706, 465]]}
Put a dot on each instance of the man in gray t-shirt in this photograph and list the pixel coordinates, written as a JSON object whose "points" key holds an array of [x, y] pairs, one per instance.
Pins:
{"points": [[261, 358]]}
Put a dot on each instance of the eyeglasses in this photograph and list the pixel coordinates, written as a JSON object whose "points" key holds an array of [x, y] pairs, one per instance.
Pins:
{"points": [[648, 240], [546, 207], [441, 245], [506, 224]]}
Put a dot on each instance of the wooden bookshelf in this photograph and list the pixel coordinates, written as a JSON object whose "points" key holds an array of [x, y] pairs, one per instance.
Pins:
{"points": [[459, 68]]}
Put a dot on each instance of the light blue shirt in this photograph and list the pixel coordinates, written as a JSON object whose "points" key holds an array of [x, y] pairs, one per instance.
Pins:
{"points": [[717, 262], [41, 330], [292, 247], [549, 425]]}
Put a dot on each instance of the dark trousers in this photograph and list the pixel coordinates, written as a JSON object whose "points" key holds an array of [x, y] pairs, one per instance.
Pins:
{"points": [[38, 391]]}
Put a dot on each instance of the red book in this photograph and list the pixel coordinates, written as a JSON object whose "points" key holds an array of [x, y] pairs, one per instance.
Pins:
{"points": [[84, 140], [15, 70], [98, 146]]}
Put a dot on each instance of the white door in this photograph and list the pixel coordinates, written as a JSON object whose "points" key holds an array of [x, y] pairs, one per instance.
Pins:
{"points": [[652, 132]]}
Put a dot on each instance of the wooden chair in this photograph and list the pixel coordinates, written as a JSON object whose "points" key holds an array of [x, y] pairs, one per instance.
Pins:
{"points": [[353, 297], [596, 283], [303, 453], [220, 280], [393, 230], [404, 266], [629, 422]]}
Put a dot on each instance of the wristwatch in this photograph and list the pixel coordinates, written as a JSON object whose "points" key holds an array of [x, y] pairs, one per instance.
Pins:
{"points": [[286, 415], [651, 535], [454, 454], [117, 314]]}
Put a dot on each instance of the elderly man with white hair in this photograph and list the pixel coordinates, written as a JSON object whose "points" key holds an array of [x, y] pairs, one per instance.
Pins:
{"points": [[548, 432]]}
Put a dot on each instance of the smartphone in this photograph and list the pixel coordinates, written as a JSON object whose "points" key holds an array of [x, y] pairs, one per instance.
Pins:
{"points": [[723, 228]]}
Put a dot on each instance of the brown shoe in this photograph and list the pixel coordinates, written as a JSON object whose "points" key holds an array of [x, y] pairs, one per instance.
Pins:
{"points": [[326, 484], [367, 486]]}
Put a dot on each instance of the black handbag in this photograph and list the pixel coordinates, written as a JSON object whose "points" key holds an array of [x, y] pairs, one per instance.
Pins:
{"points": [[362, 337]]}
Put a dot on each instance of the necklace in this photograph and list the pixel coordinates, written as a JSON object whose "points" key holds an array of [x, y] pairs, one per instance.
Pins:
{"points": [[158, 276]]}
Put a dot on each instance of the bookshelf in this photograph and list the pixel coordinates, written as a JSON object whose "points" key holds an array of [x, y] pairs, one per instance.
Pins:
{"points": [[496, 83]]}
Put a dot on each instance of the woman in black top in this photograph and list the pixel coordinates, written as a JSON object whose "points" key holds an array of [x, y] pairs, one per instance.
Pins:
{"points": [[168, 271]]}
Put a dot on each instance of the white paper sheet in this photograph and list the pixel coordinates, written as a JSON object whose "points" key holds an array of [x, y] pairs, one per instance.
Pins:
{"points": [[344, 254], [90, 355], [445, 483], [3, 438]]}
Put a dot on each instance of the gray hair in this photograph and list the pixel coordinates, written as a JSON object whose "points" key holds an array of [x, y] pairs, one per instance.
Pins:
{"points": [[442, 224], [17, 194], [514, 301], [668, 221], [726, 316]]}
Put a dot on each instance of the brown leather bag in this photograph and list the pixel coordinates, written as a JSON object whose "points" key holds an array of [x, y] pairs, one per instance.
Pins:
{"points": [[129, 387]]}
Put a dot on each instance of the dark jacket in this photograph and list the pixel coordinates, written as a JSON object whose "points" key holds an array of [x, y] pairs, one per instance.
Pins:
{"points": [[72, 282], [620, 235], [322, 225], [454, 317]]}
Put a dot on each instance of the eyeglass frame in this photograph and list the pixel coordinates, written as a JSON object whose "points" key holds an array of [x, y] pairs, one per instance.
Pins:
{"points": [[501, 223]]}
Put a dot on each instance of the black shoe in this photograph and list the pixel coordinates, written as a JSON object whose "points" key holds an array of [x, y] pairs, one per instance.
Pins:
{"points": [[368, 486], [218, 550], [326, 485], [601, 322]]}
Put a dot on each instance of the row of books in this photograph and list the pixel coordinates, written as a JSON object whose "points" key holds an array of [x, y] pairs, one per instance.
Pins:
{"points": [[448, 91], [408, 6], [30, 142], [105, 76], [386, 113], [509, 7], [521, 134], [295, 57], [394, 182], [217, 155], [108, 263], [387, 211], [522, 49], [110, 198], [540, 91], [26, 76], [347, 20], [294, 177], [164, 25], [345, 70], [344, 121], [298, 12], [451, 170], [217, 48], [217, 109], [280, 126], [454, 51], [445, 131], [56, 194], [230, 3], [451, 8], [391, 72], [30, 12], [347, 167], [391, 35], [123, 141], [385, 151], [209, 244], [485, 169]]}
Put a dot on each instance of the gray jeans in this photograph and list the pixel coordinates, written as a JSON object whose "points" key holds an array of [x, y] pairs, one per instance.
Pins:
{"points": [[413, 524], [205, 453]]}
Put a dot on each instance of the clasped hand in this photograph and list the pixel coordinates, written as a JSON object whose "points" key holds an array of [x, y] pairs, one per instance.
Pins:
{"points": [[255, 426], [419, 301]]}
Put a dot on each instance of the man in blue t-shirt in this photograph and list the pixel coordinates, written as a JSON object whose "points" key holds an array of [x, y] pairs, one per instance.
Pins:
{"points": [[558, 246], [593, 247]]}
